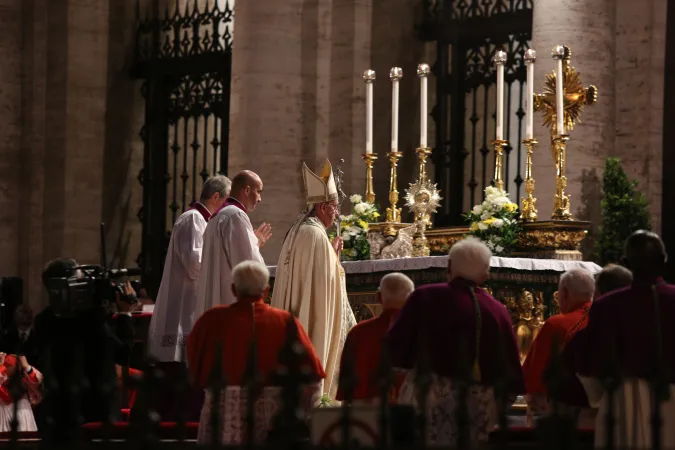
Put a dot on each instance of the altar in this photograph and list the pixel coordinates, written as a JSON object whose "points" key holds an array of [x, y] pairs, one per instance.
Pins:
{"points": [[528, 287]]}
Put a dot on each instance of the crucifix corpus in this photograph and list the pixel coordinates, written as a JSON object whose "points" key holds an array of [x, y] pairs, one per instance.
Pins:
{"points": [[574, 97]]}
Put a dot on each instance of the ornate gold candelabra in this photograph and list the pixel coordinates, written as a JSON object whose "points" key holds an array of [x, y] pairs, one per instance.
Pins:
{"points": [[369, 158], [393, 212], [561, 202], [575, 97], [528, 205], [499, 145]]}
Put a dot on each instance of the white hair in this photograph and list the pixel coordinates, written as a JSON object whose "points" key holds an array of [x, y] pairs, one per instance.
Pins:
{"points": [[470, 259], [578, 282], [219, 183], [396, 288], [250, 279]]}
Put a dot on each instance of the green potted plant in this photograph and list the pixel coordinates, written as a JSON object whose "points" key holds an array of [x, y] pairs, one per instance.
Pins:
{"points": [[624, 211]]}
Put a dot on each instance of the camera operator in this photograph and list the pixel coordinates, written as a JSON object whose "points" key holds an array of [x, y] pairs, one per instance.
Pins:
{"points": [[80, 352]]}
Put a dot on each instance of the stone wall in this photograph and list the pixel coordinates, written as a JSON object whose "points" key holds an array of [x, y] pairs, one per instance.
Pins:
{"points": [[70, 152]]}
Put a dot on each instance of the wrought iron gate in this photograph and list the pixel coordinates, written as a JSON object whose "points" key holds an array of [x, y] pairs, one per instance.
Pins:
{"points": [[183, 54], [467, 34]]}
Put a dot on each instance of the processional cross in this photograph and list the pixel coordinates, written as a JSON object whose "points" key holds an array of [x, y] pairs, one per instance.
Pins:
{"points": [[576, 96]]}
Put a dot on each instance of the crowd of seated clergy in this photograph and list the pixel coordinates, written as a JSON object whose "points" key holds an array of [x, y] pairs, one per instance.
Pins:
{"points": [[456, 330]]}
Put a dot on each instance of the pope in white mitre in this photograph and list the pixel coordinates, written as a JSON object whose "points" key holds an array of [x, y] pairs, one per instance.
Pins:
{"points": [[310, 281]]}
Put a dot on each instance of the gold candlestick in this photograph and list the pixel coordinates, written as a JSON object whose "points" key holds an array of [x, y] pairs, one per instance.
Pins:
{"points": [[422, 154], [528, 208], [393, 212], [369, 158], [499, 145], [575, 98], [561, 202]]}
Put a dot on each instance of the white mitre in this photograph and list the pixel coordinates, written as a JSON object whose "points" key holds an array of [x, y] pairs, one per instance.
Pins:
{"points": [[319, 189]]}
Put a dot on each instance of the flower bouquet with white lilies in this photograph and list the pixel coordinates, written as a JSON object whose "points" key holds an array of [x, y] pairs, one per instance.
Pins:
{"points": [[355, 229], [495, 221]]}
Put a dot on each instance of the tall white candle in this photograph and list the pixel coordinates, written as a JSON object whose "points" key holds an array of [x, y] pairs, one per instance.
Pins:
{"points": [[369, 78], [530, 58], [499, 60], [423, 72], [558, 54], [395, 74]]}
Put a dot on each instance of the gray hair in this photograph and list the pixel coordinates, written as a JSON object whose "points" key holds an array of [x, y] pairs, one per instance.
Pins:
{"points": [[396, 288], [578, 282], [470, 259], [250, 279], [218, 184]]}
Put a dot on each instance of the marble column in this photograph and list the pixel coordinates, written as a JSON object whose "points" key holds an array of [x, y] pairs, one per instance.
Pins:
{"points": [[587, 27], [297, 95], [640, 70], [10, 136]]}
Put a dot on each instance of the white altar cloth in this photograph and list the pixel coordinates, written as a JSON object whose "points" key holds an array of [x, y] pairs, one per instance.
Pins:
{"points": [[435, 262]]}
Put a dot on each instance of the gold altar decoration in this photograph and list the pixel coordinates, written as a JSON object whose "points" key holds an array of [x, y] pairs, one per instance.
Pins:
{"points": [[528, 204], [423, 154], [369, 158], [393, 211], [576, 96], [422, 198], [498, 145]]}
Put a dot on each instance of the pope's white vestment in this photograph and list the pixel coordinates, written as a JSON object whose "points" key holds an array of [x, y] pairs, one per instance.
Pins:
{"points": [[174, 313], [228, 240], [310, 283]]}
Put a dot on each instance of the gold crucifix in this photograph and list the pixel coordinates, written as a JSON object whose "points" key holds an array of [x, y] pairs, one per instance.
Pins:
{"points": [[576, 96]]}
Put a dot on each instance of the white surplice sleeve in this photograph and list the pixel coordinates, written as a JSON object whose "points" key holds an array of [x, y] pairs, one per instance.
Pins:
{"points": [[190, 244]]}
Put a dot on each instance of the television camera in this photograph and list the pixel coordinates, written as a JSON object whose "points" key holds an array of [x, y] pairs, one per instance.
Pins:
{"points": [[89, 286]]}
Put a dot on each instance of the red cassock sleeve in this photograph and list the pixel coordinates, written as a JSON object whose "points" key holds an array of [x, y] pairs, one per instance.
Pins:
{"points": [[538, 359]]}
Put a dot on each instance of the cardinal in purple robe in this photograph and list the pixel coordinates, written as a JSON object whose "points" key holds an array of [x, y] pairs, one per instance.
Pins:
{"points": [[630, 335], [460, 333]]}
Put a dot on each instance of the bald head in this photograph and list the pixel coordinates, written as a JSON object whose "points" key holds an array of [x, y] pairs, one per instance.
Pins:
{"points": [[247, 188], [645, 254], [395, 288]]}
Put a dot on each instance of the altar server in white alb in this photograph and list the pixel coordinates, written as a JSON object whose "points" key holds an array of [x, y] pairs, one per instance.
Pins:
{"points": [[174, 312], [230, 239], [310, 281]]}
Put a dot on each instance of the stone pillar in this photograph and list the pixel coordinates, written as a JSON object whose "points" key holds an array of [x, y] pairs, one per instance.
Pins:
{"points": [[587, 27], [640, 70], [64, 103], [10, 135], [296, 71]]}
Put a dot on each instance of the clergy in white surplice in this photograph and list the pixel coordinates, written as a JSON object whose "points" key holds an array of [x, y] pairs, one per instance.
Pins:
{"points": [[310, 281], [230, 239], [174, 312]]}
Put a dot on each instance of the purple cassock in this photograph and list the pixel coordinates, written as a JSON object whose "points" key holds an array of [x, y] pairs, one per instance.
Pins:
{"points": [[622, 325], [439, 322]]}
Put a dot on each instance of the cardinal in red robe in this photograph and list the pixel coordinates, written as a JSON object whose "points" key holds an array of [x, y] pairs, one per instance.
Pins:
{"points": [[575, 292], [30, 379], [364, 342], [225, 334]]}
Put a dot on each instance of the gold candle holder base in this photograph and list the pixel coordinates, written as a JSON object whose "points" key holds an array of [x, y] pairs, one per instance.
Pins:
{"points": [[420, 242], [498, 145], [422, 155], [369, 158], [528, 205], [561, 201], [393, 211]]}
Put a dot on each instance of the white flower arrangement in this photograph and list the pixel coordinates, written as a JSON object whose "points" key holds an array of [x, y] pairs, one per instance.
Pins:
{"points": [[355, 229], [495, 221]]}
